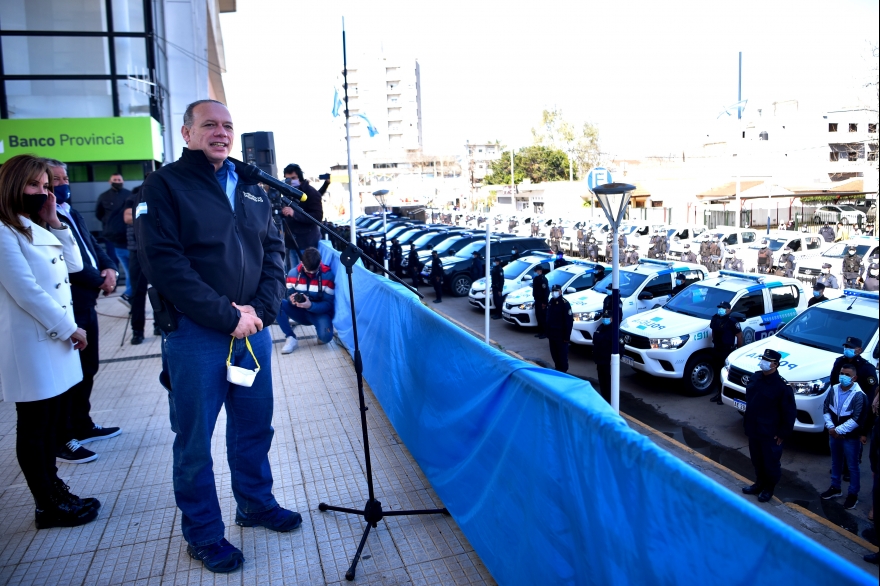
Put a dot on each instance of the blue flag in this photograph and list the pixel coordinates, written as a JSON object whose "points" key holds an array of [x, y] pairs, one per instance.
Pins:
{"points": [[337, 102], [370, 128]]}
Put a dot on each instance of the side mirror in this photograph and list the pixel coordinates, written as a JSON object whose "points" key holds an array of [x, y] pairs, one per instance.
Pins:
{"points": [[646, 296], [527, 278], [570, 290]]}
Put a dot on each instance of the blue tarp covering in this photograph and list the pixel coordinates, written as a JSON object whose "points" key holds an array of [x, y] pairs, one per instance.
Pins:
{"points": [[548, 484]]}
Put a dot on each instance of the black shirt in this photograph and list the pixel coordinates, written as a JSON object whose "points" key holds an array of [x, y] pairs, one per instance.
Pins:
{"points": [[110, 210], [559, 319], [770, 407], [497, 278], [724, 331], [540, 289], [866, 374], [814, 300]]}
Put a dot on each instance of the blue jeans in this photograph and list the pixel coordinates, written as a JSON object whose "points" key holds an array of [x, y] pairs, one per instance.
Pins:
{"points": [[122, 255], [845, 449], [194, 363], [323, 322]]}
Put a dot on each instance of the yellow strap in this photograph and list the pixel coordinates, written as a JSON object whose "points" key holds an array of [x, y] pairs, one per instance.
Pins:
{"points": [[250, 349]]}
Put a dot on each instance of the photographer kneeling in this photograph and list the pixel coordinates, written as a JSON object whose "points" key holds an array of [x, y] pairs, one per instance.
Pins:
{"points": [[309, 300]]}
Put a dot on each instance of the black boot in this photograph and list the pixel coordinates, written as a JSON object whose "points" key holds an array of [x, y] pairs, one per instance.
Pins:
{"points": [[59, 512], [64, 493]]}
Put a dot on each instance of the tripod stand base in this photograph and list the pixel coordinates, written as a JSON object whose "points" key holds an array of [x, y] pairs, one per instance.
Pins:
{"points": [[372, 514]]}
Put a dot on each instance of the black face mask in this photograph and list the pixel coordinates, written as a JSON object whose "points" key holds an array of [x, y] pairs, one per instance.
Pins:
{"points": [[34, 203], [116, 186]]}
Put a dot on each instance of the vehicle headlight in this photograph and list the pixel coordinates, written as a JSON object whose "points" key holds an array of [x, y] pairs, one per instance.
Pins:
{"points": [[526, 305], [588, 316], [673, 343], [727, 363], [810, 388]]}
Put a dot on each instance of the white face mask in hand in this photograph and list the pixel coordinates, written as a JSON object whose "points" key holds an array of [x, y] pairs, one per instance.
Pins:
{"points": [[241, 376]]}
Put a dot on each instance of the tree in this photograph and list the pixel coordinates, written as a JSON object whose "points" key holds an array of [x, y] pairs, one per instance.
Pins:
{"points": [[556, 132], [537, 163]]}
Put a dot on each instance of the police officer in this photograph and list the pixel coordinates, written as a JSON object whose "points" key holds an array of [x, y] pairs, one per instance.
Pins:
{"points": [[632, 256], [593, 250], [680, 284], [871, 282], [852, 354], [541, 296], [826, 278], [852, 267], [827, 232], [580, 241], [726, 337], [768, 421], [662, 245], [621, 241], [554, 236], [478, 271], [608, 249], [602, 354], [558, 328], [497, 278], [715, 250], [705, 247], [818, 295], [514, 253], [559, 261], [714, 262], [652, 245], [414, 266], [787, 263], [731, 263], [396, 256], [765, 257], [688, 255], [436, 276]]}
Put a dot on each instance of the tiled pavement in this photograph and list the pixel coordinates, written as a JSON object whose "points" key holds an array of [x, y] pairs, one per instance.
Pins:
{"points": [[316, 456]]}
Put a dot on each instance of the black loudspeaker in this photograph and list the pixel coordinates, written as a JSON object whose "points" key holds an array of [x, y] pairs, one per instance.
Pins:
{"points": [[259, 148]]}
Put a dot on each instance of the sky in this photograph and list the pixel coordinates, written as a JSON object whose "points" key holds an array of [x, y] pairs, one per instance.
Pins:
{"points": [[653, 76]]}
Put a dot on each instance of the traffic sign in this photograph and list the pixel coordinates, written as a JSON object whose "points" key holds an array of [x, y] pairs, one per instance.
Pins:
{"points": [[598, 176]]}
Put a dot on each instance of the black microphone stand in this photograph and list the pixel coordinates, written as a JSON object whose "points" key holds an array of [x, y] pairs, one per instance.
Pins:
{"points": [[372, 511]]}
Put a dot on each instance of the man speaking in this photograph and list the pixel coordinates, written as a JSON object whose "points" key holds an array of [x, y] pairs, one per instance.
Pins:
{"points": [[208, 245]]}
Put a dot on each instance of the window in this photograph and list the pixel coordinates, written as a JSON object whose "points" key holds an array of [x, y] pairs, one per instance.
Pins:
{"points": [[832, 127], [852, 156], [786, 297], [813, 243], [751, 305], [795, 245], [731, 239], [683, 235], [853, 127], [659, 286], [833, 156], [585, 281]]}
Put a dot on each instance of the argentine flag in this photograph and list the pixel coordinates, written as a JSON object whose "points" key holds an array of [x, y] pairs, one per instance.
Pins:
{"points": [[370, 128], [337, 102]]}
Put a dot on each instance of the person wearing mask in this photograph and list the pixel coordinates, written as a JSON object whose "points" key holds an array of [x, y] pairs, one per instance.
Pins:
{"points": [[726, 337], [826, 278], [765, 257], [688, 255], [845, 407], [299, 232], [871, 282], [768, 421], [631, 257], [396, 256], [662, 245], [560, 322], [852, 355], [608, 249], [560, 261], [842, 233], [98, 274], [110, 211], [40, 364], [680, 284], [478, 269], [827, 232], [541, 297], [852, 268], [497, 283], [787, 263], [593, 250], [602, 354], [731, 263], [818, 295], [414, 266], [652, 245], [436, 276], [309, 300], [705, 251]]}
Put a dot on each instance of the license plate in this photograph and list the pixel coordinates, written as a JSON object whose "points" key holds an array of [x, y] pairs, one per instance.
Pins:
{"points": [[740, 405], [627, 360]]}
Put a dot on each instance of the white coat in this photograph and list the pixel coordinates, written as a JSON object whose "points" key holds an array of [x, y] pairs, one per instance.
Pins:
{"points": [[36, 313]]}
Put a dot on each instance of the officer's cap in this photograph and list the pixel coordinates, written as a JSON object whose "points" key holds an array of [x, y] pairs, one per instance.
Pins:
{"points": [[827, 265], [475, 253], [819, 287], [771, 355], [539, 268], [556, 287], [852, 342], [724, 304]]}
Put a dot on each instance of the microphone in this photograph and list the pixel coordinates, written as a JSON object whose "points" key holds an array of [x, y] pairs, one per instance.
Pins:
{"points": [[254, 173]]}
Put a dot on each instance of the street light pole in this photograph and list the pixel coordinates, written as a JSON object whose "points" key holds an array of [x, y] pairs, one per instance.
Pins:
{"points": [[614, 198]]}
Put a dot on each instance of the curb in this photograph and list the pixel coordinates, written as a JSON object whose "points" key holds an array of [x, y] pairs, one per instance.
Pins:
{"points": [[839, 530]]}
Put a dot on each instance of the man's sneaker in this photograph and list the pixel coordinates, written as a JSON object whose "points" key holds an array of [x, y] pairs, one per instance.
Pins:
{"points": [[63, 491], [60, 512], [137, 338], [97, 433], [276, 519], [74, 453], [851, 501], [125, 300], [220, 557], [831, 493], [290, 345]]}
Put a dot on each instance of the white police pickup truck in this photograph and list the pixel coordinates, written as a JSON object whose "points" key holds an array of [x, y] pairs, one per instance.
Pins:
{"points": [[809, 345], [642, 287], [675, 341], [519, 307], [517, 273]]}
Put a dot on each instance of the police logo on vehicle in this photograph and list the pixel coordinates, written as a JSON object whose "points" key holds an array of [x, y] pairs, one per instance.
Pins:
{"points": [[746, 379], [626, 338]]}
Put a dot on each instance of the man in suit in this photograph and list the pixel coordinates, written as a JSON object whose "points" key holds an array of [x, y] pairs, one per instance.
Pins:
{"points": [[98, 274]]}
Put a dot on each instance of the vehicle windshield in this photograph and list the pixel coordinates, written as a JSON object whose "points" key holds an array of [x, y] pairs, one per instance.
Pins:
{"points": [[699, 301], [840, 250], [516, 268], [408, 235], [821, 328], [397, 230], [629, 282], [424, 239], [669, 233], [559, 277], [471, 248], [848, 208], [446, 244], [777, 244]]}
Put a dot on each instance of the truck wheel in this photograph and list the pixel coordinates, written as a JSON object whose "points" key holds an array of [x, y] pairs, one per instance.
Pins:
{"points": [[461, 286], [699, 374]]}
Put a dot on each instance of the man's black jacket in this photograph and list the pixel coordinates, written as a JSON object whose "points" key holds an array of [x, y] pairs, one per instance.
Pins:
{"points": [[110, 210], [559, 320], [312, 206], [200, 254], [602, 344], [85, 285], [497, 276], [540, 290], [770, 407]]}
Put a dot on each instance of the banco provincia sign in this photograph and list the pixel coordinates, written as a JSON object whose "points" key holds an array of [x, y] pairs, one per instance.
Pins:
{"points": [[78, 140]]}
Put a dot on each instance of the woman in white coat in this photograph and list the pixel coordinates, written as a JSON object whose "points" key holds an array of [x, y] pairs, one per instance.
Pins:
{"points": [[39, 363]]}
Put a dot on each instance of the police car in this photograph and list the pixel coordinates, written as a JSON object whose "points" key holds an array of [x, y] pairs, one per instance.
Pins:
{"points": [[516, 274], [519, 306], [642, 287], [809, 345], [675, 341]]}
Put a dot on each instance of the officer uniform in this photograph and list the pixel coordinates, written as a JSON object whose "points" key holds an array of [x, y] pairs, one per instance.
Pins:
{"points": [[608, 250], [662, 247], [820, 289], [688, 255], [871, 282], [768, 420], [852, 268], [558, 328], [621, 241], [560, 261], [680, 285], [396, 256], [705, 246], [827, 232], [477, 269], [726, 335], [731, 263], [865, 372], [436, 276], [580, 241], [602, 339], [593, 250], [632, 256], [414, 266], [497, 278], [765, 257], [541, 295], [652, 246], [827, 279], [786, 264]]}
